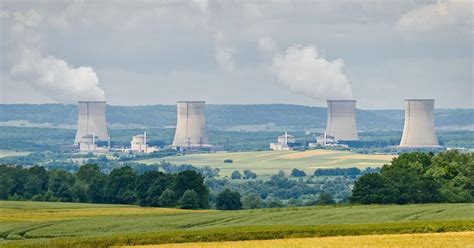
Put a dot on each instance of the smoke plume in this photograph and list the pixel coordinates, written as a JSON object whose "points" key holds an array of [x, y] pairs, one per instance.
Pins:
{"points": [[302, 70], [49, 75]]}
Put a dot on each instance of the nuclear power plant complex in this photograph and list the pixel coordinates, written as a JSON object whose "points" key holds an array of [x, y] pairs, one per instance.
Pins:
{"points": [[191, 133], [419, 128], [341, 120]]}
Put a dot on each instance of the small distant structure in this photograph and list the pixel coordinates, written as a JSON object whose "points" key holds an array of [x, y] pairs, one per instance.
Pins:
{"points": [[139, 144], [88, 143], [285, 142], [326, 140]]}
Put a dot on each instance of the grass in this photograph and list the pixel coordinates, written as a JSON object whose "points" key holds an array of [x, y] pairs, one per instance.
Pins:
{"points": [[267, 163], [433, 240], [38, 224]]}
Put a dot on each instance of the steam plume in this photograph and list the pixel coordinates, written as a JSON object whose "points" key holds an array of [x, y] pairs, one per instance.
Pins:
{"points": [[302, 70], [51, 76]]}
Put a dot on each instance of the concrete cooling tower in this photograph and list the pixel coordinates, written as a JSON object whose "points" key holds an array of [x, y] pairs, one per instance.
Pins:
{"points": [[91, 121], [191, 125], [341, 122], [419, 128]]}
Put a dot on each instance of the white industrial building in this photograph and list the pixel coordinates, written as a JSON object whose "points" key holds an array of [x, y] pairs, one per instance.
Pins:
{"points": [[284, 142], [88, 143], [341, 120], [139, 144], [191, 133], [419, 128]]}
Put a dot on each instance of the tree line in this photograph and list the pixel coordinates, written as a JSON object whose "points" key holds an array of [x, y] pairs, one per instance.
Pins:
{"points": [[185, 189], [419, 178]]}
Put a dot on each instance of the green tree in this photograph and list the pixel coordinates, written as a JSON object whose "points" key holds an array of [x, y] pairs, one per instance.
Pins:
{"points": [[191, 180], [189, 200], [228, 200], [236, 175], [167, 198], [325, 199], [368, 189], [298, 173], [121, 185], [252, 201], [248, 174], [60, 184]]}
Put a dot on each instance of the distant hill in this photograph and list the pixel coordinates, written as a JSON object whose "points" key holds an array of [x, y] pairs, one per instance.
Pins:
{"points": [[228, 116]]}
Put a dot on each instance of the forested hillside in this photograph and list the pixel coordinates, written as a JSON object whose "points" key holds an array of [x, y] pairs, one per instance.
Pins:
{"points": [[222, 116]]}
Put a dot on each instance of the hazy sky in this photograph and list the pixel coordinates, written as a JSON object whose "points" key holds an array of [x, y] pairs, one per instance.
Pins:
{"points": [[239, 52]]}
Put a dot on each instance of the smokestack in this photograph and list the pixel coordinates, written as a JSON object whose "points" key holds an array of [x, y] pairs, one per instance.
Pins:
{"points": [[419, 128], [191, 125], [341, 122], [92, 120]]}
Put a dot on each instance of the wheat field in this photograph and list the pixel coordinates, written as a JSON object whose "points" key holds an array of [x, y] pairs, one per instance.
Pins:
{"points": [[431, 240]]}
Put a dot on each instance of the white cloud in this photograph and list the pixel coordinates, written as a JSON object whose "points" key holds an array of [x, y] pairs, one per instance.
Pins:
{"points": [[302, 70], [443, 17], [49, 75]]}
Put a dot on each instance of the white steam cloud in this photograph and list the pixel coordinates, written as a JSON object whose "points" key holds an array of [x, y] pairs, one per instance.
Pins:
{"points": [[49, 75], [302, 70]]}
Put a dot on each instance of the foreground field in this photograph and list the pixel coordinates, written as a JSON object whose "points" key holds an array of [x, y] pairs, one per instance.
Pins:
{"points": [[37, 224], [268, 163], [432, 240]]}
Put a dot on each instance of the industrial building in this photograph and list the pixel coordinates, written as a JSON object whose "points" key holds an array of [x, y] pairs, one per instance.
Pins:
{"points": [[419, 128], [191, 133], [88, 143], [341, 120], [91, 120], [285, 142], [139, 144]]}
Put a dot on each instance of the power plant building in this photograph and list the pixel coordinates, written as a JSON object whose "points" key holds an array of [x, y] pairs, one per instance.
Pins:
{"points": [[341, 120], [285, 142], [419, 128], [91, 121], [191, 133]]}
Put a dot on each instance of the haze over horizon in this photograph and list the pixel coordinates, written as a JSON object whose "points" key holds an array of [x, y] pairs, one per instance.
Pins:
{"points": [[238, 52]]}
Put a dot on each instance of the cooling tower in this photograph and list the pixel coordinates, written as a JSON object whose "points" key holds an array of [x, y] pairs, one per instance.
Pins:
{"points": [[91, 121], [419, 129], [341, 122], [191, 125]]}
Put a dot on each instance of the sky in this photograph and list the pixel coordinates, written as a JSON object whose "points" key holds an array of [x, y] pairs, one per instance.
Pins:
{"points": [[237, 52]]}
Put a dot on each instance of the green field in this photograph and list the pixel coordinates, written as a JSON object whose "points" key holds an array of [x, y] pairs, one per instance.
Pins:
{"points": [[268, 163], [41, 224]]}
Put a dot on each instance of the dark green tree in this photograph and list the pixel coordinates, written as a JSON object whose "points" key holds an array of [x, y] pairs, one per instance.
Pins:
{"points": [[121, 185], [228, 200], [167, 198], [236, 175], [189, 200], [298, 173], [191, 180], [325, 199], [60, 184]]}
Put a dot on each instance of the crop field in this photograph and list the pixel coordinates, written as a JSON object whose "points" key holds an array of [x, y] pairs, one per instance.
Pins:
{"points": [[7, 153], [41, 224], [268, 163], [433, 240]]}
